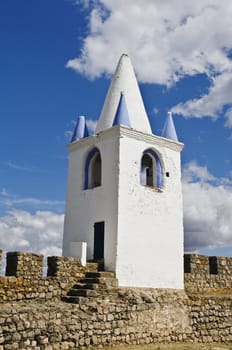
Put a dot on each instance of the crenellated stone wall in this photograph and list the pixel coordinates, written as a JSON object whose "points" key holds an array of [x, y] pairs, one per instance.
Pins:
{"points": [[207, 272], [24, 280], [33, 317]]}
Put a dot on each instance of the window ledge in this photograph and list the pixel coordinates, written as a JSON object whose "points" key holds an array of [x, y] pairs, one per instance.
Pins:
{"points": [[91, 188], [154, 188]]}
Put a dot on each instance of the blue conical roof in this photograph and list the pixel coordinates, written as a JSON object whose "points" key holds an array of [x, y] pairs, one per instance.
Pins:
{"points": [[122, 116], [169, 131], [80, 130]]}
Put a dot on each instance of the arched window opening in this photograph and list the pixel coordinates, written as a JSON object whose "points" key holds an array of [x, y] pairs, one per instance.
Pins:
{"points": [[147, 174], [151, 169], [93, 169]]}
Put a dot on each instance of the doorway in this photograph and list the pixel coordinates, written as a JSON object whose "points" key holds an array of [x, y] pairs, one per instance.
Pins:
{"points": [[99, 230]]}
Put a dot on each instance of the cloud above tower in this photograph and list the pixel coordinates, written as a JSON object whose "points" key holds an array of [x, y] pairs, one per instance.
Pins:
{"points": [[167, 40], [207, 208]]}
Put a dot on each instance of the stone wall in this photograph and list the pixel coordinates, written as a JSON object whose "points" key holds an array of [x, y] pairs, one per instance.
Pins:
{"points": [[24, 280], [0, 261], [211, 317], [204, 272], [26, 265], [34, 317], [136, 316]]}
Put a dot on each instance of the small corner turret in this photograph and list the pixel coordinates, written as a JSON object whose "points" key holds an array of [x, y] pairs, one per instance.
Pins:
{"points": [[81, 130], [169, 131]]}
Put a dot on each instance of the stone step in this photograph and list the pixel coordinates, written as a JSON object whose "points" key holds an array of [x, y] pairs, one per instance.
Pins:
{"points": [[102, 285], [93, 286], [106, 274], [82, 293], [92, 266], [74, 299], [79, 299], [112, 282], [100, 265]]}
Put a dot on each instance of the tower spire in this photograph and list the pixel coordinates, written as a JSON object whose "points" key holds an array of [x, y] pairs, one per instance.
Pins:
{"points": [[169, 131], [124, 80]]}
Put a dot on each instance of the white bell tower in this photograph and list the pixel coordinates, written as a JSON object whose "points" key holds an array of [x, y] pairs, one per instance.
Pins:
{"points": [[124, 191]]}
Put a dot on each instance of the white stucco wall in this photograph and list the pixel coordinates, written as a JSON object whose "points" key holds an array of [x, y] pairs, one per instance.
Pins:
{"points": [[143, 227], [85, 207], [150, 223]]}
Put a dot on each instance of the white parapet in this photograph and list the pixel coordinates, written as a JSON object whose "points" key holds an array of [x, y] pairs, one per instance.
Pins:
{"points": [[78, 250]]}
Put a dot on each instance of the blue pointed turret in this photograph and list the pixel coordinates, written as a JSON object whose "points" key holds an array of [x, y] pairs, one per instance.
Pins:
{"points": [[80, 130], [122, 116], [169, 131]]}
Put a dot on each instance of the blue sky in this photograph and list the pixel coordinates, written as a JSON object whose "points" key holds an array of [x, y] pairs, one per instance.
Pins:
{"points": [[56, 57]]}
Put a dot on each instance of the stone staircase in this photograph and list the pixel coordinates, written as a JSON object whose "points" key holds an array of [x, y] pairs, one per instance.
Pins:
{"points": [[100, 284]]}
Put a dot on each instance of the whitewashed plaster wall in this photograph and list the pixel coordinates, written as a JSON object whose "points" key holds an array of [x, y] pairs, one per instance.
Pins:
{"points": [[143, 227], [85, 207], [150, 223]]}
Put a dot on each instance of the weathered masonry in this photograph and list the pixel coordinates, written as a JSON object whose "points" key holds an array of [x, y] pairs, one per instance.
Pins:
{"points": [[24, 278], [35, 312]]}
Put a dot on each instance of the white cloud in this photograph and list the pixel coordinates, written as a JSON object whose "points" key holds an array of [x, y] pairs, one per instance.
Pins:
{"points": [[207, 209], [155, 110], [167, 40], [3, 192], [68, 134], [23, 230], [195, 172], [91, 124], [229, 118], [39, 232], [10, 200], [212, 103], [20, 167]]}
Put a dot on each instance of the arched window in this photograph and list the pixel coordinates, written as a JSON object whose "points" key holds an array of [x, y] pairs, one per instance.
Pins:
{"points": [[151, 169], [93, 169]]}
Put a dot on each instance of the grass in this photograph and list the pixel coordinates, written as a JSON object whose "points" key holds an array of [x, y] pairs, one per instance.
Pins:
{"points": [[174, 346]]}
